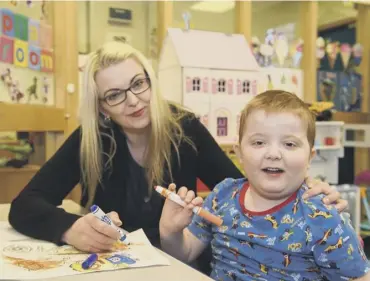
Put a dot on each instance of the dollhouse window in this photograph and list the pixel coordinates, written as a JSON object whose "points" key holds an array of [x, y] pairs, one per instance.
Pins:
{"points": [[196, 85], [221, 126], [246, 87], [221, 86]]}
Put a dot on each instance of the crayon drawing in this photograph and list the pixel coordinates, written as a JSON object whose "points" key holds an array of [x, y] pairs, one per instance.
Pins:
{"points": [[26, 258]]}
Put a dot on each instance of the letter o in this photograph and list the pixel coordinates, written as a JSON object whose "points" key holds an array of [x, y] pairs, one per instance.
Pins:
{"points": [[20, 51]]}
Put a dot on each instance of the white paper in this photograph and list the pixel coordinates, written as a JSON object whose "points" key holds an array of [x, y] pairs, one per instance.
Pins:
{"points": [[25, 258]]}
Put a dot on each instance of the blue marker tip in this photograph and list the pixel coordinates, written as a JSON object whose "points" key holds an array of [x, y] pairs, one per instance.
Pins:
{"points": [[93, 208], [89, 262]]}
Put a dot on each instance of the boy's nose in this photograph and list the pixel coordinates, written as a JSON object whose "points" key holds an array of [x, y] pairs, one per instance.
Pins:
{"points": [[273, 153]]}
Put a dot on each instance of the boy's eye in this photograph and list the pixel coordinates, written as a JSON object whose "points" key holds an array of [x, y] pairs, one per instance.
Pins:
{"points": [[258, 143], [290, 144]]}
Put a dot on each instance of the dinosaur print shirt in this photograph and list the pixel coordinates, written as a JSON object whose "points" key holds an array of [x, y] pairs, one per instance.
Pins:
{"points": [[296, 240]]}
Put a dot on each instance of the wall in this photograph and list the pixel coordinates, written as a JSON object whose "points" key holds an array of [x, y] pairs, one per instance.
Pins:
{"points": [[265, 14], [100, 28]]}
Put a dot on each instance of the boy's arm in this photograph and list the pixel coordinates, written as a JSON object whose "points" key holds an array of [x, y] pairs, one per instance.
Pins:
{"points": [[183, 245], [190, 242], [335, 245], [364, 278]]}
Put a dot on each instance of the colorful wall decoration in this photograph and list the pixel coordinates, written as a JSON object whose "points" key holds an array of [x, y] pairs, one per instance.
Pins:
{"points": [[25, 42], [26, 56]]}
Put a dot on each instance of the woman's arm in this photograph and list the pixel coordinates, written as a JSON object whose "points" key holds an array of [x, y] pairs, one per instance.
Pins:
{"points": [[34, 212]]}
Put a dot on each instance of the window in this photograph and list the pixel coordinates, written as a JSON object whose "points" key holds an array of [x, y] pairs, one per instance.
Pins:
{"points": [[221, 86], [221, 126], [196, 85], [246, 87]]}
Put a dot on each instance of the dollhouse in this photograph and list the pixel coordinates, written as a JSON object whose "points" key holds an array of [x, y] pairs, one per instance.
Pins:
{"points": [[211, 73]]}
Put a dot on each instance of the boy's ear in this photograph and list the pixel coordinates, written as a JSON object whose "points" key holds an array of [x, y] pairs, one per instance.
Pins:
{"points": [[313, 153]]}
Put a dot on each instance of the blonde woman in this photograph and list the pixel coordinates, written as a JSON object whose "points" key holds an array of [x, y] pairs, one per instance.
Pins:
{"points": [[130, 139]]}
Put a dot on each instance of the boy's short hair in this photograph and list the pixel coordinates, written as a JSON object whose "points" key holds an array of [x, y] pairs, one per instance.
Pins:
{"points": [[280, 101]]}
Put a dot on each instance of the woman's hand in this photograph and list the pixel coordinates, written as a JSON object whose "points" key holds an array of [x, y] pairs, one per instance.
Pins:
{"points": [[90, 234], [332, 195], [175, 217]]}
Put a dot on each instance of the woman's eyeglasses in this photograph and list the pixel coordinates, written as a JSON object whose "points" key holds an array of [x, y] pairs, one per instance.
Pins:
{"points": [[117, 96]]}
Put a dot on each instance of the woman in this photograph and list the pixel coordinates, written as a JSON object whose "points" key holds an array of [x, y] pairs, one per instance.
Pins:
{"points": [[130, 139]]}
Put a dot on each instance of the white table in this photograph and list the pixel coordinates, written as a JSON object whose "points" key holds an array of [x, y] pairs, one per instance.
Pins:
{"points": [[177, 271]]}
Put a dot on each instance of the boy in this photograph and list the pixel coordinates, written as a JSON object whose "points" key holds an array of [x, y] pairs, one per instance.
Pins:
{"points": [[269, 232]]}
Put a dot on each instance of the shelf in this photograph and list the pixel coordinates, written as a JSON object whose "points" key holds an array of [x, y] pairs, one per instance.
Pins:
{"points": [[329, 123], [328, 147], [25, 169], [31, 118]]}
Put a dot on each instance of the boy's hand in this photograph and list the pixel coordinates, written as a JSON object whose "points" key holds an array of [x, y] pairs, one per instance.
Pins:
{"points": [[175, 217]]}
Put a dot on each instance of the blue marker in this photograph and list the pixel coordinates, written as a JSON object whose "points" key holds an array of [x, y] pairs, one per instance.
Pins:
{"points": [[89, 262], [97, 212]]}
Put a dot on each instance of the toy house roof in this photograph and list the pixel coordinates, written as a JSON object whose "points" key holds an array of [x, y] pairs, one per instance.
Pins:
{"points": [[207, 49]]}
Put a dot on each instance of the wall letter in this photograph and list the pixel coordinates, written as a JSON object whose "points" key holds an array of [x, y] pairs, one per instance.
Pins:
{"points": [[20, 53], [46, 61], [21, 27], [34, 32], [7, 22], [6, 50], [34, 61]]}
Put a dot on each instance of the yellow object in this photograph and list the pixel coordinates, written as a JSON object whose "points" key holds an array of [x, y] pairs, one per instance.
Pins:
{"points": [[321, 106]]}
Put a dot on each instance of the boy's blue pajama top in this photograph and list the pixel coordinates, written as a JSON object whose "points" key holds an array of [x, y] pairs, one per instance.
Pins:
{"points": [[296, 240]]}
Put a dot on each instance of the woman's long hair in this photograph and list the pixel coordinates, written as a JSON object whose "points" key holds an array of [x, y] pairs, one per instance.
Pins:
{"points": [[165, 125]]}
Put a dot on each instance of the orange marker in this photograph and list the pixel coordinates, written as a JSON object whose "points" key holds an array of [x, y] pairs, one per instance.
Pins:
{"points": [[196, 210]]}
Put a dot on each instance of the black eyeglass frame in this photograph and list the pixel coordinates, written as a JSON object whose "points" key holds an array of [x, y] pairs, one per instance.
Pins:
{"points": [[147, 79]]}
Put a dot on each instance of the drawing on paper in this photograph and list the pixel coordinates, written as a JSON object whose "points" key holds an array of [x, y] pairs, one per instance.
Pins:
{"points": [[34, 259]]}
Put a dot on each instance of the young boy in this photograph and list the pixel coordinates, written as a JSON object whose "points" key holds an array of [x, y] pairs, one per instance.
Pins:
{"points": [[269, 232]]}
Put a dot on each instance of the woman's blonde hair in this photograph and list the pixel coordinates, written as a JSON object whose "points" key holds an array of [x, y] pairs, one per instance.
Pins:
{"points": [[165, 125]]}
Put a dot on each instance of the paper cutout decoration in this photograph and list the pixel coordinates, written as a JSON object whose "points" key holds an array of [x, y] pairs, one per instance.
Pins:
{"points": [[7, 22], [270, 86], [332, 52], [281, 48], [15, 93], [20, 53], [283, 79], [34, 32], [21, 27], [186, 17], [357, 54], [45, 89], [6, 50], [345, 52], [205, 85], [320, 50], [297, 52], [32, 90], [266, 51]]}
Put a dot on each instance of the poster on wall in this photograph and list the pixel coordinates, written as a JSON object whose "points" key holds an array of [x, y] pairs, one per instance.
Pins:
{"points": [[26, 60], [341, 88]]}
